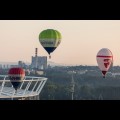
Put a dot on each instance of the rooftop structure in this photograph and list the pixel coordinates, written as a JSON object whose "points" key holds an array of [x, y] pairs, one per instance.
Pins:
{"points": [[30, 88]]}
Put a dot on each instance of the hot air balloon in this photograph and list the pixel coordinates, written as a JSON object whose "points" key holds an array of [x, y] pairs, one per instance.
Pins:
{"points": [[50, 39], [105, 60], [16, 75]]}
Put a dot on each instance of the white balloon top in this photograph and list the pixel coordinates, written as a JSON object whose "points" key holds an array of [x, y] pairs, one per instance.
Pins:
{"points": [[104, 52]]}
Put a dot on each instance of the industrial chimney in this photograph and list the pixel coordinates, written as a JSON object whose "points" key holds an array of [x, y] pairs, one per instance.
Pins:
{"points": [[36, 50]]}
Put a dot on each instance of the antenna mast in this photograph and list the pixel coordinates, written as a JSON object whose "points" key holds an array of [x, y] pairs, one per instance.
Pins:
{"points": [[72, 87]]}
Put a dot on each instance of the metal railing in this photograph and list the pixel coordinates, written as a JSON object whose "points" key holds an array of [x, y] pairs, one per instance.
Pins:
{"points": [[30, 86]]}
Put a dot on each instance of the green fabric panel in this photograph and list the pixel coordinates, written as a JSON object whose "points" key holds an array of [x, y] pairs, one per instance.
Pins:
{"points": [[50, 34]]}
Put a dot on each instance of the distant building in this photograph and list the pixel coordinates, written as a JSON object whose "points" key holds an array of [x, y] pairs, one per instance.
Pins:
{"points": [[3, 66], [7, 66], [0, 65], [39, 62], [20, 63], [11, 66]]}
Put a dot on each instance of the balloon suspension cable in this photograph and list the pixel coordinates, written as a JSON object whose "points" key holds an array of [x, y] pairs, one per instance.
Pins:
{"points": [[49, 56]]}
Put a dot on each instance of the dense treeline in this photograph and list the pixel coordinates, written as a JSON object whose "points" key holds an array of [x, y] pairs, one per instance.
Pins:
{"points": [[88, 86], [89, 83]]}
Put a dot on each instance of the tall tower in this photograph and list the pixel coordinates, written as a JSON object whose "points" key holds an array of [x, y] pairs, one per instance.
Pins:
{"points": [[36, 50], [72, 87], [36, 59]]}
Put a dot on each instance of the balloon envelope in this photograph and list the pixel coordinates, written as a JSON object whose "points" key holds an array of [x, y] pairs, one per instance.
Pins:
{"points": [[50, 39], [16, 75], [104, 60]]}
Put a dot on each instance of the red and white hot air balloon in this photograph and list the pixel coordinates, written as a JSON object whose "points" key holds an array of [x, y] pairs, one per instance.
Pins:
{"points": [[16, 75], [105, 60]]}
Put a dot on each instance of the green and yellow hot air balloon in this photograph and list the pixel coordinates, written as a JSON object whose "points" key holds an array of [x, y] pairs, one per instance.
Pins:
{"points": [[50, 39]]}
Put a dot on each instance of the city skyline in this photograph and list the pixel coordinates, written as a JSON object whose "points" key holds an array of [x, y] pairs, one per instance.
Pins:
{"points": [[81, 40]]}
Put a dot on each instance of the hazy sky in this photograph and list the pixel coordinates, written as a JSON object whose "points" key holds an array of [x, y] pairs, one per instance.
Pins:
{"points": [[81, 40]]}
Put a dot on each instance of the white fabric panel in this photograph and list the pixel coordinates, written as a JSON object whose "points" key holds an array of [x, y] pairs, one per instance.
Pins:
{"points": [[104, 59]]}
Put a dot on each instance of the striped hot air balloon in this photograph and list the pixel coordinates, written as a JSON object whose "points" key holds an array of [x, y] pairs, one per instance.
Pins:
{"points": [[105, 60], [16, 75], [50, 39]]}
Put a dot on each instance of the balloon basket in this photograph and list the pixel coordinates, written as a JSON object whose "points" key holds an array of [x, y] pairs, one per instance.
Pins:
{"points": [[50, 57], [103, 76]]}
